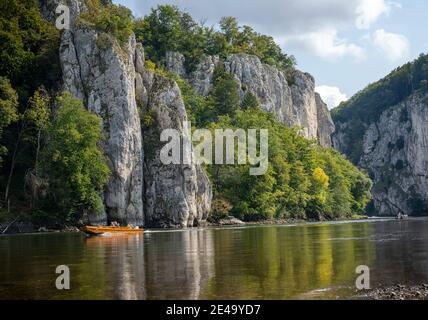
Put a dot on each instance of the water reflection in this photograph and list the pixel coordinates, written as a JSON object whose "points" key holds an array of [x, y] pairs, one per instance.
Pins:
{"points": [[124, 256], [307, 261], [283, 262], [179, 264]]}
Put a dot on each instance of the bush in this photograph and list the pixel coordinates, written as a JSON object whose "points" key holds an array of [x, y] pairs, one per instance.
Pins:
{"points": [[220, 209]]}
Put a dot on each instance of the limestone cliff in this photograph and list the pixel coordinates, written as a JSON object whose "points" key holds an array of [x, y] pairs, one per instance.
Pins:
{"points": [[290, 96], [110, 79], [383, 129], [176, 195], [395, 152]]}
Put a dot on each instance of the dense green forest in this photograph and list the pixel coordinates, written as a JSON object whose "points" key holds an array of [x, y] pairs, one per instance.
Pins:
{"points": [[367, 105], [51, 166], [303, 181], [167, 28]]}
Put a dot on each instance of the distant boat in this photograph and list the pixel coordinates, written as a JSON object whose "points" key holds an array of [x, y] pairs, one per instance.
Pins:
{"points": [[93, 230], [402, 216]]}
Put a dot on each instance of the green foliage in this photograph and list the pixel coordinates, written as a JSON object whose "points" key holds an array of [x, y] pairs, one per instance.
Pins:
{"points": [[38, 112], [113, 20], [200, 110], [29, 59], [166, 28], [250, 101], [28, 43], [302, 180], [225, 92], [220, 209], [366, 106], [8, 108], [74, 164]]}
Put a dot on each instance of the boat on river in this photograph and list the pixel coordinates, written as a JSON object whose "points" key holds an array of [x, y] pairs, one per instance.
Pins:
{"points": [[99, 230], [402, 216]]}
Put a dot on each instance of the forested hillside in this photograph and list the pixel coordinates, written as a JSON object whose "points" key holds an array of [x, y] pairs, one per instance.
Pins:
{"points": [[383, 130], [367, 105]]}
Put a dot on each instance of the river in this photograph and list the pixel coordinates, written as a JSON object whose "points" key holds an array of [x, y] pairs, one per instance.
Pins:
{"points": [[307, 261]]}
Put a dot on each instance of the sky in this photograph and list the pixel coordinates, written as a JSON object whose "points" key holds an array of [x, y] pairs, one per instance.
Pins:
{"points": [[344, 44]]}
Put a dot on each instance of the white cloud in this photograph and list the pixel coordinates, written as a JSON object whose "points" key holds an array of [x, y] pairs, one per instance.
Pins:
{"points": [[327, 45], [394, 46], [332, 96], [280, 17], [314, 26], [368, 11]]}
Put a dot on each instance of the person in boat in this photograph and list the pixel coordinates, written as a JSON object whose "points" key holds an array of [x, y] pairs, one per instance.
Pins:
{"points": [[115, 224], [402, 216]]}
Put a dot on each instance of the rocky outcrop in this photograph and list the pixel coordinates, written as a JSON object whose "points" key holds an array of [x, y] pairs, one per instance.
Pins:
{"points": [[177, 195], [290, 96], [201, 79], [395, 153], [112, 82], [174, 62], [98, 71], [325, 123]]}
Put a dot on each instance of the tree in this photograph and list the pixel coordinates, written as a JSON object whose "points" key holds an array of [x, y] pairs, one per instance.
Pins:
{"points": [[8, 108], [161, 31], [225, 92], [74, 164], [230, 28], [38, 120], [39, 116], [33, 120], [250, 101]]}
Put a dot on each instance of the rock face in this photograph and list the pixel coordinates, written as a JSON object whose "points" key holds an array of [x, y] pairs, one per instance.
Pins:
{"points": [[201, 79], [177, 195], [325, 124], [395, 152], [109, 79], [175, 63], [291, 97], [102, 75]]}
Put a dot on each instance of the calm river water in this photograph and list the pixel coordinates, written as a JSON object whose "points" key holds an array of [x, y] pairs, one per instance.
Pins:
{"points": [[311, 261]]}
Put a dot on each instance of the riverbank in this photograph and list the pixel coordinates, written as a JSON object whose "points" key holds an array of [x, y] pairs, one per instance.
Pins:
{"points": [[19, 227], [232, 221], [399, 292], [22, 227]]}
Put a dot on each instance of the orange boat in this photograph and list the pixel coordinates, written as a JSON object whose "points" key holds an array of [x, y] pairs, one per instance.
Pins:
{"points": [[93, 230]]}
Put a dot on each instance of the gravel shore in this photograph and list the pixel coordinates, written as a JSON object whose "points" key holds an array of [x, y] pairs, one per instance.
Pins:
{"points": [[399, 292]]}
